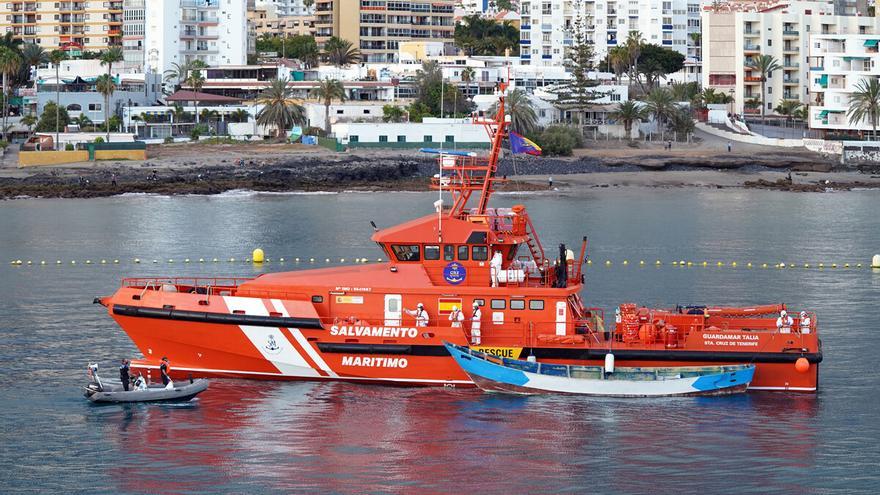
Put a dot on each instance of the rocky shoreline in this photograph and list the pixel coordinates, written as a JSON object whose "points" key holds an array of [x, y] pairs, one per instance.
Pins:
{"points": [[339, 172]]}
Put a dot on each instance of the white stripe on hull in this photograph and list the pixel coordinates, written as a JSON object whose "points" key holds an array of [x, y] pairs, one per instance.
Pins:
{"points": [[306, 345], [271, 343]]}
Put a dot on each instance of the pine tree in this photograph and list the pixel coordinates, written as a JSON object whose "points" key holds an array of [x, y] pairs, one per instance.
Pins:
{"points": [[579, 92]]}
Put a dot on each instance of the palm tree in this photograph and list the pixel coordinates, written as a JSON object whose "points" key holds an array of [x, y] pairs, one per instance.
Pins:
{"points": [[308, 3], [55, 58], [280, 110], [633, 45], [682, 123], [177, 74], [765, 65], [195, 80], [105, 85], [34, 56], [711, 97], [619, 59], [9, 65], [661, 105], [110, 56], [789, 108], [29, 121], [467, 77], [327, 91], [136, 119], [628, 113], [340, 52], [240, 115], [523, 119], [864, 103], [82, 121]]}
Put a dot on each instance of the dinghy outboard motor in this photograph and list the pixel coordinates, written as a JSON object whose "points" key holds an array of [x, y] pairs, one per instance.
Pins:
{"points": [[562, 268]]}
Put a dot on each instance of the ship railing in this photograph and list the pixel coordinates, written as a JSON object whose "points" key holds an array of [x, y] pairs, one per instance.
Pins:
{"points": [[202, 285]]}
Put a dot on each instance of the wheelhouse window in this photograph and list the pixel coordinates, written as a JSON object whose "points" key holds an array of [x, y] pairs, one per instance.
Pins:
{"points": [[517, 304], [498, 303], [449, 252], [432, 252], [406, 252], [536, 304], [462, 253], [480, 253]]}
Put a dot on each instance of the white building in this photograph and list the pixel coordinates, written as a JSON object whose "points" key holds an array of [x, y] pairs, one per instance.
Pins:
{"points": [[838, 63], [133, 28], [181, 31], [283, 8], [546, 26], [431, 132], [732, 39]]}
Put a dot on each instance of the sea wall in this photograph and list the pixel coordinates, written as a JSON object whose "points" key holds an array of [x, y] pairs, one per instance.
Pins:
{"points": [[41, 158]]}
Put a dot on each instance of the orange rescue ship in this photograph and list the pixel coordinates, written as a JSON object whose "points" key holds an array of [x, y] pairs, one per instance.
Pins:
{"points": [[363, 323]]}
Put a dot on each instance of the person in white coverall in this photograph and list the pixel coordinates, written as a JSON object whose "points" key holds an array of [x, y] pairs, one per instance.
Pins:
{"points": [[456, 317], [805, 322], [475, 325], [495, 267], [784, 322], [419, 314]]}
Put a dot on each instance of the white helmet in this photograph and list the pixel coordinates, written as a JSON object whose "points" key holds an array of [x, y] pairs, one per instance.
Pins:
{"points": [[783, 313], [803, 314], [476, 304], [455, 308], [420, 305]]}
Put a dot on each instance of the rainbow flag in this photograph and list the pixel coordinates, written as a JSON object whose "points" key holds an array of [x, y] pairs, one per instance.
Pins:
{"points": [[520, 144]]}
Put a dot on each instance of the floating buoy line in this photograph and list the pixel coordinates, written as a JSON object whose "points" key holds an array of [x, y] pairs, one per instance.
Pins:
{"points": [[258, 258]]}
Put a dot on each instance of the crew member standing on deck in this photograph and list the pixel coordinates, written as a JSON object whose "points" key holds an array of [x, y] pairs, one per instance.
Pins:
{"points": [[164, 369], [456, 317], [124, 376], [475, 324], [419, 314], [804, 323], [495, 267], [784, 322]]}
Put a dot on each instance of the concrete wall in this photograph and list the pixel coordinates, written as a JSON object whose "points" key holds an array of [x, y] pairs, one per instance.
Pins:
{"points": [[462, 131], [120, 154], [38, 158]]}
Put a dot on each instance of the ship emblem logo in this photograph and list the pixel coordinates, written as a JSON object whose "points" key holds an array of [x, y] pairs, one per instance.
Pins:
{"points": [[272, 346], [454, 273]]}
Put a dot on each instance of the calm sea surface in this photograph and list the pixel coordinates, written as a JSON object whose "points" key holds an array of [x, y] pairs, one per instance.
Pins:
{"points": [[256, 437]]}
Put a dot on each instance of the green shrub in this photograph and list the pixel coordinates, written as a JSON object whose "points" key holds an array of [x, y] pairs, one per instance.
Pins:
{"points": [[99, 139], [169, 140], [47, 119], [69, 147], [198, 131], [559, 140], [4, 143]]}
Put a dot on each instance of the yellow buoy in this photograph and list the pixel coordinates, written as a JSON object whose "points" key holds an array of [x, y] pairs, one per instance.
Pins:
{"points": [[215, 260], [247, 260], [43, 262], [875, 261], [88, 262], [607, 262], [201, 260], [720, 263], [821, 265], [705, 263], [232, 260], [115, 262], [846, 265], [690, 263], [641, 262], [806, 265], [281, 260], [589, 262], [625, 262], [103, 262], [674, 263], [311, 260], [326, 260], [296, 260], [30, 262], [258, 255], [658, 263], [859, 265], [137, 260], [833, 265], [342, 260], [58, 262], [72, 262], [186, 260], [782, 265], [749, 264], [764, 265], [733, 263]]}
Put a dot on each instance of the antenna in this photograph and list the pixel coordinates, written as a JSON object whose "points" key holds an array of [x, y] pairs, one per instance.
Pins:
{"points": [[375, 229]]}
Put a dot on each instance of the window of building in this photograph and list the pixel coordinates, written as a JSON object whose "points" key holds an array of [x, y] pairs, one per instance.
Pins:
{"points": [[517, 304], [401, 139], [450, 139], [432, 252], [94, 107], [536, 304], [546, 8], [352, 139], [498, 304], [448, 252], [406, 252], [614, 96], [480, 253], [427, 139], [383, 139], [462, 253]]}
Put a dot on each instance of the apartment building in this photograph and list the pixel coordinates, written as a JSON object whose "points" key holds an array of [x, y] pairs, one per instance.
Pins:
{"points": [[377, 27], [284, 8], [181, 31], [74, 26], [547, 25], [838, 63], [266, 22], [733, 38], [133, 26]]}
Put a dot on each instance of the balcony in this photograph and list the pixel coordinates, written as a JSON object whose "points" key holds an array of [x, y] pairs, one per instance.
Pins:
{"points": [[791, 81], [751, 32], [752, 79], [790, 33], [791, 49], [752, 48], [788, 65]]}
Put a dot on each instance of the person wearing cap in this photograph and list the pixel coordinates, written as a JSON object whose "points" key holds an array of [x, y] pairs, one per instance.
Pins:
{"points": [[456, 317], [804, 322], [784, 322], [475, 325], [124, 375], [419, 314]]}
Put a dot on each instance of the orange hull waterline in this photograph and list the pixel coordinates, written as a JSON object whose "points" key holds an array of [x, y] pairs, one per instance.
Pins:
{"points": [[362, 323]]}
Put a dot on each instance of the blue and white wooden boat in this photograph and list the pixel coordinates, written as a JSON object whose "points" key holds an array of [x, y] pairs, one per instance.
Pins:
{"points": [[496, 374]]}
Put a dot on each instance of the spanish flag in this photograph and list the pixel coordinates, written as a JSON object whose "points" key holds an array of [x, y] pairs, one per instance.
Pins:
{"points": [[519, 144]]}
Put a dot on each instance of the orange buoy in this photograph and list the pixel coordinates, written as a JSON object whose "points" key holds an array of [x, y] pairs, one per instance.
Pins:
{"points": [[802, 365]]}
